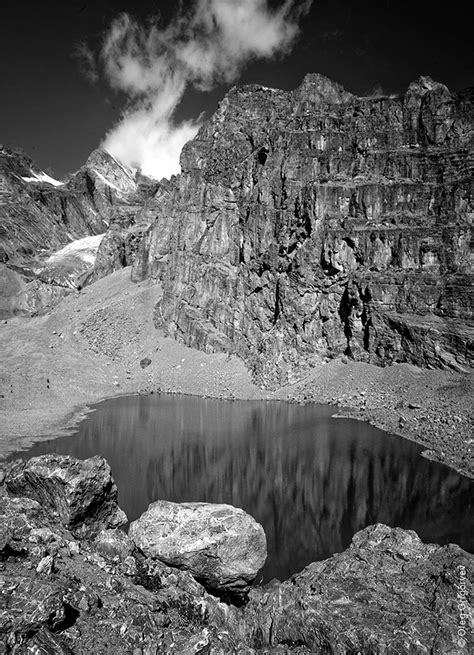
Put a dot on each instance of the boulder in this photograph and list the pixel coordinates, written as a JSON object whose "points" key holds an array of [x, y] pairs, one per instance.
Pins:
{"points": [[80, 494], [222, 546], [388, 593]]}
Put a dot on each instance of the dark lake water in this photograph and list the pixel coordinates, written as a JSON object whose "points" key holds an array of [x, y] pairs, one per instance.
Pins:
{"points": [[312, 481]]}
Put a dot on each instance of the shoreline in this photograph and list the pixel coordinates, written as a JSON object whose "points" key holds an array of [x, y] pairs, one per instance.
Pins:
{"points": [[91, 348], [67, 425]]}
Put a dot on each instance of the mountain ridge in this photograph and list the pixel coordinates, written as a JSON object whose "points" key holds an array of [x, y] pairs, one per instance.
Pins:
{"points": [[305, 224], [39, 216]]}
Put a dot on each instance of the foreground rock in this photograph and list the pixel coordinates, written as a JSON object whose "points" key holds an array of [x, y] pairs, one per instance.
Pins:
{"points": [[80, 494], [388, 593], [220, 545]]}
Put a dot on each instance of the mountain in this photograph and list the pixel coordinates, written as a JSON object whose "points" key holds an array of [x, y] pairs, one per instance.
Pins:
{"points": [[304, 225], [40, 219], [312, 223]]}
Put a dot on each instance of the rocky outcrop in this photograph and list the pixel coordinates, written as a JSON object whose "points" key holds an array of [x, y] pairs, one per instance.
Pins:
{"points": [[120, 244], [80, 494], [388, 592], [222, 546], [22, 294], [61, 593], [312, 223]]}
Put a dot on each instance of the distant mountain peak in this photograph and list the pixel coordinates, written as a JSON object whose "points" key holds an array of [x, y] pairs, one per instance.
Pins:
{"points": [[101, 158], [316, 86], [110, 171]]}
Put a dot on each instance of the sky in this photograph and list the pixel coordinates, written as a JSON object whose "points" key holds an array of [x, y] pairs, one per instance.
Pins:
{"points": [[140, 77]]}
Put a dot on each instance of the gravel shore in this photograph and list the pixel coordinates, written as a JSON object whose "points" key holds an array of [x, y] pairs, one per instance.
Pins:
{"points": [[91, 347]]}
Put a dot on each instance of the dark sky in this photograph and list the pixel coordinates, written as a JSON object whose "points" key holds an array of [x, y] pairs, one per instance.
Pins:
{"points": [[48, 108]]}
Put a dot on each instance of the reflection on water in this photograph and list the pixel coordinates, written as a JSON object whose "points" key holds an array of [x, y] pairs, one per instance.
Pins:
{"points": [[310, 480]]}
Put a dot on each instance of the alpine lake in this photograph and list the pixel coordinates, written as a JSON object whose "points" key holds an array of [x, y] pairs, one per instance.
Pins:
{"points": [[310, 479]]}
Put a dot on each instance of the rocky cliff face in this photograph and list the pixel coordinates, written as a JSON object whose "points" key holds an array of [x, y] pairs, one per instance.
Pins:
{"points": [[314, 223], [39, 215]]}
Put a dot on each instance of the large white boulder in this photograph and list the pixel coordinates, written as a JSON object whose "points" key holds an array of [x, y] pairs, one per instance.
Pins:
{"points": [[222, 546]]}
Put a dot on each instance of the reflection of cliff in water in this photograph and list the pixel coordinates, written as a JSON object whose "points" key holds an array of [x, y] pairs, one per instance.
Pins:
{"points": [[312, 481]]}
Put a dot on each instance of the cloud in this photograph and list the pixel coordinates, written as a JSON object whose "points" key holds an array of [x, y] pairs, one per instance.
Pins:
{"points": [[86, 60], [378, 91], [153, 65]]}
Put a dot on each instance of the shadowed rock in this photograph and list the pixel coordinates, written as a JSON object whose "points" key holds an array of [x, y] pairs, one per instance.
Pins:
{"points": [[80, 494], [220, 545]]}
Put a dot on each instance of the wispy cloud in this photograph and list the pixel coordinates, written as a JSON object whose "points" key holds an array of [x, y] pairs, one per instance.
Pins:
{"points": [[154, 64], [86, 60]]}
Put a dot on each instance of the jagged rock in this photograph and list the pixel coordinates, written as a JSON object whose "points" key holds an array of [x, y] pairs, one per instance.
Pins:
{"points": [[20, 516], [20, 296], [81, 494], [114, 543], [40, 213], [82, 605], [312, 223], [46, 565], [220, 545], [388, 592]]}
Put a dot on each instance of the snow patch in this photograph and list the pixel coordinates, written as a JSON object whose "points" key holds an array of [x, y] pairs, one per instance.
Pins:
{"points": [[85, 249], [42, 177], [105, 180]]}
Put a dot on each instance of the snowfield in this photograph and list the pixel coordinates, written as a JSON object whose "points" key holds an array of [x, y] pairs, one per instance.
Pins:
{"points": [[84, 249], [42, 177]]}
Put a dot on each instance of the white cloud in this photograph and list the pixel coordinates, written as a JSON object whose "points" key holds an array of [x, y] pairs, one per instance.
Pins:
{"points": [[153, 66]]}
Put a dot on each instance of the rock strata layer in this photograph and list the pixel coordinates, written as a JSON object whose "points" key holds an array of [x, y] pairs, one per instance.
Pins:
{"points": [[313, 223], [221, 545], [63, 593]]}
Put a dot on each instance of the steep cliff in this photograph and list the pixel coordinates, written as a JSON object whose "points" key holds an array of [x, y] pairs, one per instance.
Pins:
{"points": [[313, 223]]}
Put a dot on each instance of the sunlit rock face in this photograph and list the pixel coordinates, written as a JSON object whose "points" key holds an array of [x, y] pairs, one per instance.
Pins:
{"points": [[220, 545], [312, 223]]}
